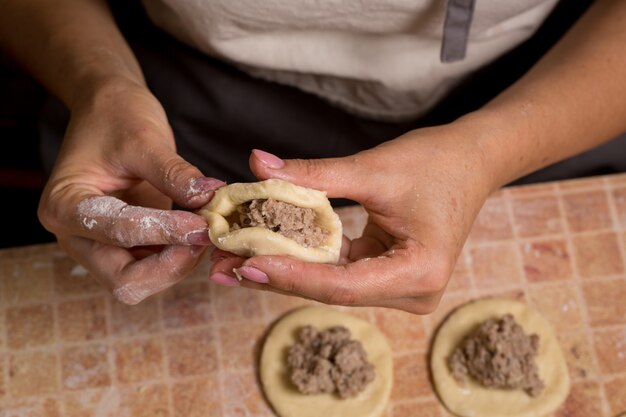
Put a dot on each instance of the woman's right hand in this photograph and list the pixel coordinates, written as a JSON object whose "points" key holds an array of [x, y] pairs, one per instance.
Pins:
{"points": [[111, 191]]}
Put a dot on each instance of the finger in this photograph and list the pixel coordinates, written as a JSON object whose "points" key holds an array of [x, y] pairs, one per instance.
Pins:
{"points": [[365, 247], [222, 271], [145, 195], [129, 280], [173, 176], [219, 254], [262, 287], [415, 305], [344, 252], [373, 242], [395, 275], [109, 220], [336, 176]]}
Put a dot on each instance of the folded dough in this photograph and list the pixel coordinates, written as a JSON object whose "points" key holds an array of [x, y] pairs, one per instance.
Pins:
{"points": [[251, 241]]}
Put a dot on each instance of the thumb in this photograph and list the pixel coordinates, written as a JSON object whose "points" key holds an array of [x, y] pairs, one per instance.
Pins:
{"points": [[339, 177], [173, 176]]}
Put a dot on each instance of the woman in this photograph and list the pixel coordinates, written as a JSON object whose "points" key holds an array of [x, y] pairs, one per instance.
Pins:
{"points": [[368, 70]]}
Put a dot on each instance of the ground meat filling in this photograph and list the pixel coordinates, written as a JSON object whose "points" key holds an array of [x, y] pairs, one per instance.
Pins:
{"points": [[293, 222], [499, 355], [329, 361]]}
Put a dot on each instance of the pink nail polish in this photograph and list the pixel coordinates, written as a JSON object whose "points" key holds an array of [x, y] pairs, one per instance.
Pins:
{"points": [[205, 185], [200, 237], [269, 160], [223, 279], [253, 274]]}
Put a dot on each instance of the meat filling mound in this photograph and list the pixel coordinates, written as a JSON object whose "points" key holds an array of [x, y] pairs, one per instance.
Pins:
{"points": [[328, 361], [293, 222], [499, 355]]}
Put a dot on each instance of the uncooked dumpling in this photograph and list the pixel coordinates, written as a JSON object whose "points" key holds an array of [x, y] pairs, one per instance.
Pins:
{"points": [[251, 241]]}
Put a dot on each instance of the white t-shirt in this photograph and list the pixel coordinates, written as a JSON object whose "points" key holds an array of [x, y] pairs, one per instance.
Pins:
{"points": [[375, 58]]}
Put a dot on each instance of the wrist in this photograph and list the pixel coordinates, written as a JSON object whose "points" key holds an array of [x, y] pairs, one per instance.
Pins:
{"points": [[495, 142], [99, 91]]}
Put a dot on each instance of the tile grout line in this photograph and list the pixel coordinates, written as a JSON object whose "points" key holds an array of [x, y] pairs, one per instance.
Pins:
{"points": [[516, 238], [530, 239], [549, 283], [57, 352], [109, 341], [50, 347], [579, 292], [218, 348], [621, 242], [166, 378]]}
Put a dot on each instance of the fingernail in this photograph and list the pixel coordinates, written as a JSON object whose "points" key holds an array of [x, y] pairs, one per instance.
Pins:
{"points": [[223, 279], [197, 250], [269, 160], [204, 185], [198, 237], [252, 274]]}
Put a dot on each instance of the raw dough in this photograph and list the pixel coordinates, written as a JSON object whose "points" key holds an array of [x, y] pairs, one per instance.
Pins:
{"points": [[285, 398], [251, 241], [474, 400]]}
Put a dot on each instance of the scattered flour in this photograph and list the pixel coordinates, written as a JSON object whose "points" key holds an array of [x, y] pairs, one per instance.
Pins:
{"points": [[79, 271], [89, 223], [127, 225], [100, 206], [132, 293], [93, 208]]}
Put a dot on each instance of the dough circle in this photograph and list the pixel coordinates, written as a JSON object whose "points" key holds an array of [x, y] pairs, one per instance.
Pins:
{"points": [[474, 400], [251, 241], [284, 397]]}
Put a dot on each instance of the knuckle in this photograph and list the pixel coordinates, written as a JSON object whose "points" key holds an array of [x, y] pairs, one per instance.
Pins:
{"points": [[311, 168], [174, 168], [49, 212], [117, 234], [47, 215], [436, 276]]}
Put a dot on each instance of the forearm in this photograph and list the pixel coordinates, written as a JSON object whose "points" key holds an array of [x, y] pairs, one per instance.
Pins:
{"points": [[72, 47], [573, 99]]}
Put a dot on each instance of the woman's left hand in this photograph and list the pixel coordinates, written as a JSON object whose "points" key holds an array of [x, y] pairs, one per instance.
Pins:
{"points": [[422, 193]]}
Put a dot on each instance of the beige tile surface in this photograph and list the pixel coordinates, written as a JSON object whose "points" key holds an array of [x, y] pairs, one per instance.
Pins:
{"points": [[68, 349]]}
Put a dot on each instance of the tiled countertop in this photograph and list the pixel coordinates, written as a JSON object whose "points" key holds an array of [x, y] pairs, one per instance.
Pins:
{"points": [[68, 349]]}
